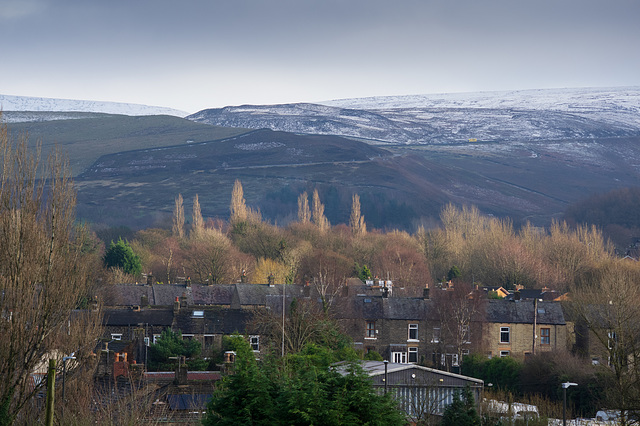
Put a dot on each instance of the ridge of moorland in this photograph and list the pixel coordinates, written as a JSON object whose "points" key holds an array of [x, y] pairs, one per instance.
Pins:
{"points": [[527, 155]]}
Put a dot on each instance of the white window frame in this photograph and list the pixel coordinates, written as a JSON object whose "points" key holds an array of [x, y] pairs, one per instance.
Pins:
{"points": [[412, 353], [455, 360], [155, 338], [198, 314], [504, 354], [399, 357], [147, 341], [254, 341], [187, 337], [116, 336], [506, 330], [413, 327]]}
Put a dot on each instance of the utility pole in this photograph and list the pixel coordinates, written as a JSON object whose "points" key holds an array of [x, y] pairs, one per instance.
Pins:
{"points": [[283, 306], [535, 325], [51, 391], [565, 385]]}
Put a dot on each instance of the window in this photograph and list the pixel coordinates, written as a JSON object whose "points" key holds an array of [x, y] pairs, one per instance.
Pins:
{"points": [[504, 354], [613, 339], [413, 355], [545, 336], [413, 331], [371, 330], [504, 335], [198, 314], [155, 338], [254, 341], [455, 360], [399, 357], [147, 341], [208, 340], [187, 337], [436, 335], [116, 336]]}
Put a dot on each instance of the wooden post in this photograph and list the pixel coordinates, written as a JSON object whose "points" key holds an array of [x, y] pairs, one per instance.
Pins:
{"points": [[51, 391]]}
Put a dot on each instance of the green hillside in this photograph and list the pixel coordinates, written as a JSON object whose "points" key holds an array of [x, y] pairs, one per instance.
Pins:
{"points": [[85, 139]]}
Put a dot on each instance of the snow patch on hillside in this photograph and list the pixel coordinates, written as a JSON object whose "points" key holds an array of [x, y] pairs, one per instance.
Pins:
{"points": [[32, 104]]}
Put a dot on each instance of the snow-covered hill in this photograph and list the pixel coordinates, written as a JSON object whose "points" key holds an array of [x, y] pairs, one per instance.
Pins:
{"points": [[528, 115], [22, 104]]}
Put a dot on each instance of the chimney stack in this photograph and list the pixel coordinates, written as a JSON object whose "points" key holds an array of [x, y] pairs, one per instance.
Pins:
{"points": [[425, 293], [149, 278]]}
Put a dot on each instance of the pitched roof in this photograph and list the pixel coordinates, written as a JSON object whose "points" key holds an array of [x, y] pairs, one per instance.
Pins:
{"points": [[521, 312], [125, 317], [197, 294], [378, 307], [213, 321]]}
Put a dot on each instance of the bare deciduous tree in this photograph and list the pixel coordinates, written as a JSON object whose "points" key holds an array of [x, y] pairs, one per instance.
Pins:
{"points": [[608, 306], [327, 272], [460, 311], [238, 207], [318, 216], [197, 227], [178, 217], [44, 270], [304, 214], [356, 221]]}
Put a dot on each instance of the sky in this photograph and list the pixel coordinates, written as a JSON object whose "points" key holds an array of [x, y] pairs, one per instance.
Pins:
{"points": [[198, 54]]}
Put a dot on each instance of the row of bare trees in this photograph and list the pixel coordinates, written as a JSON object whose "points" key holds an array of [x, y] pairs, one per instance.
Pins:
{"points": [[46, 265], [487, 250]]}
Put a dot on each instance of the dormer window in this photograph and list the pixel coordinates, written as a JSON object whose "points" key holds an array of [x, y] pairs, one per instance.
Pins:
{"points": [[198, 314]]}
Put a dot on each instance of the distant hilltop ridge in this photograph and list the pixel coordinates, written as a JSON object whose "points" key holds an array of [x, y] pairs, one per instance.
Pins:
{"points": [[522, 115], [33, 104]]}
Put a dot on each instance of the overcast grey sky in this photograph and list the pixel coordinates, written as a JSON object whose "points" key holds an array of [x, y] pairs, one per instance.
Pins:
{"points": [[192, 55]]}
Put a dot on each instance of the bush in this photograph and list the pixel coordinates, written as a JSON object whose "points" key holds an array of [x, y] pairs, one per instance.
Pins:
{"points": [[121, 255]]}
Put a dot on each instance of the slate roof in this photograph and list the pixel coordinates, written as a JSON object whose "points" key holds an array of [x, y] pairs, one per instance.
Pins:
{"points": [[188, 401], [213, 321], [125, 317], [374, 308], [521, 312], [197, 294], [404, 308]]}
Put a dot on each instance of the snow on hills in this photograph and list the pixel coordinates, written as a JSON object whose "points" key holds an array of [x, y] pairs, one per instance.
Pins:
{"points": [[23, 104], [528, 115]]}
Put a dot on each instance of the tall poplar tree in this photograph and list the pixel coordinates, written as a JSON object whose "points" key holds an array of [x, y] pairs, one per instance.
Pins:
{"points": [[318, 216], [304, 214], [238, 207], [178, 217], [197, 226], [356, 221]]}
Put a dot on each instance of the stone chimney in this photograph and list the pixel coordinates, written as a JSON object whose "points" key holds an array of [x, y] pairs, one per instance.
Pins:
{"points": [[149, 278], [271, 279], [243, 277], [516, 295], [183, 300], [385, 292], [176, 305], [182, 373], [425, 293]]}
